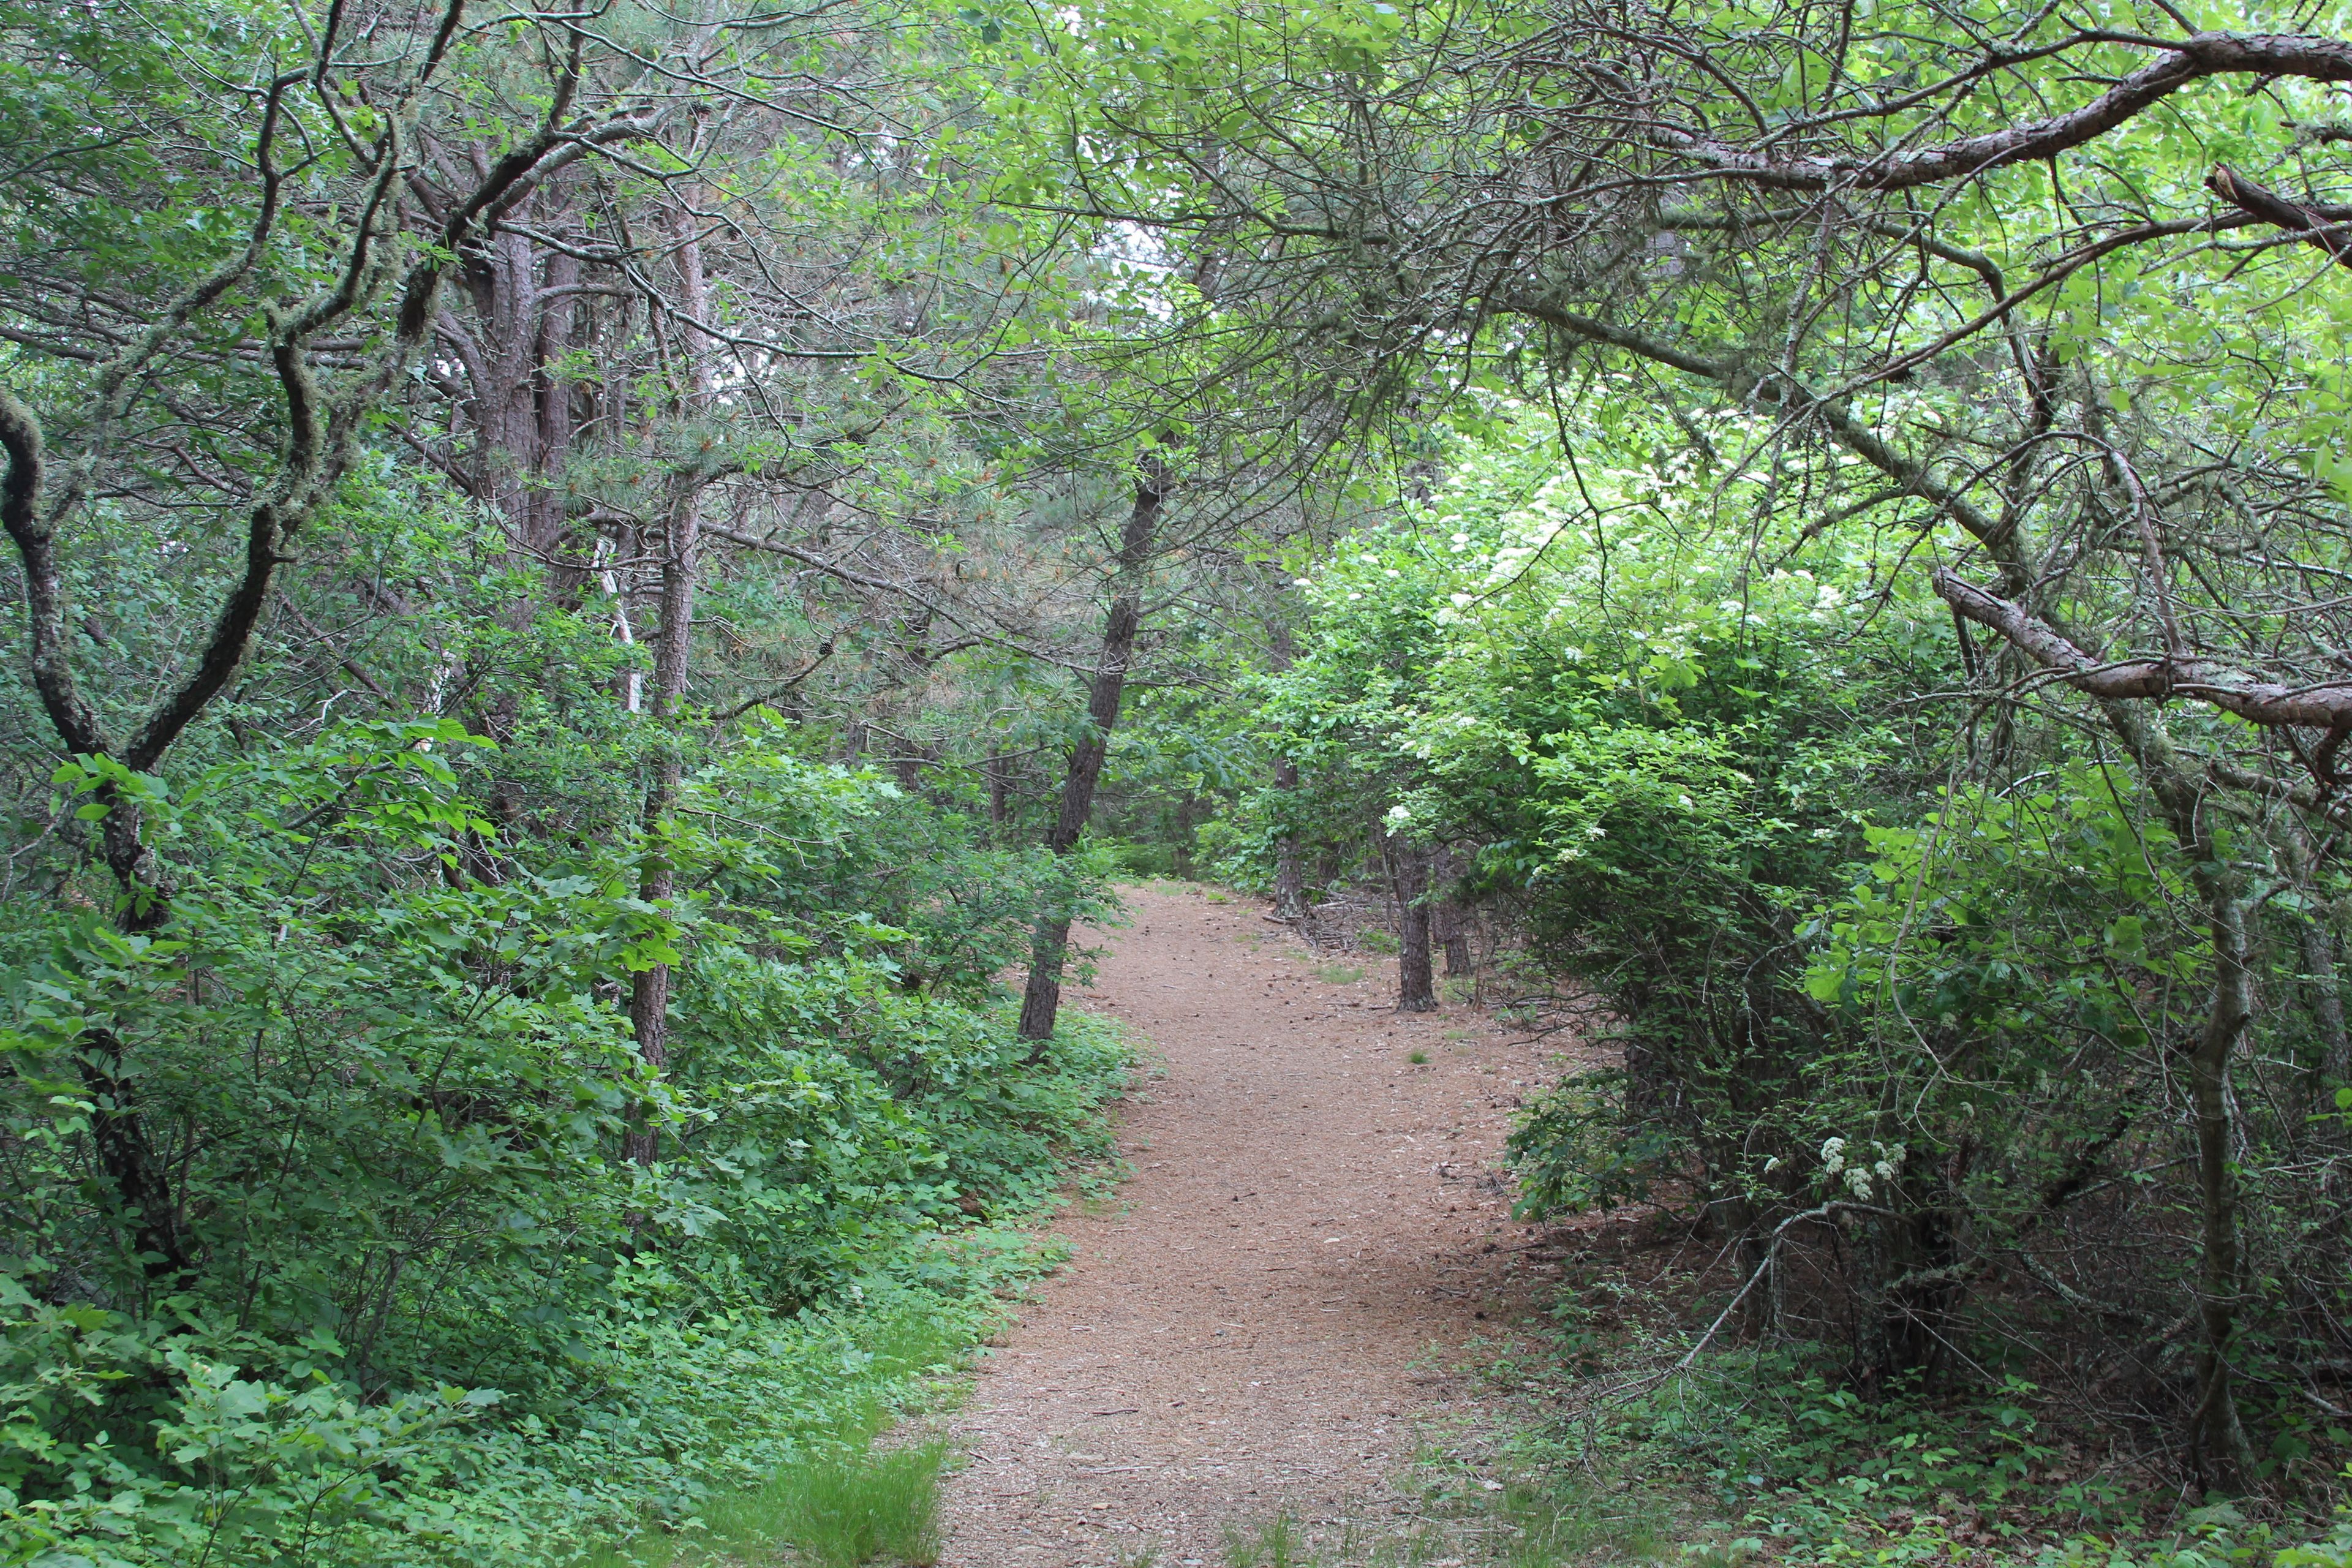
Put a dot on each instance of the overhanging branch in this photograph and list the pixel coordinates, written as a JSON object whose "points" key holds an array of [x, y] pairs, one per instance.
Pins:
{"points": [[2327, 705]]}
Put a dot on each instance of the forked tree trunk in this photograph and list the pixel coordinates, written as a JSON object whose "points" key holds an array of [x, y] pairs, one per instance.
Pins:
{"points": [[1041, 1000]]}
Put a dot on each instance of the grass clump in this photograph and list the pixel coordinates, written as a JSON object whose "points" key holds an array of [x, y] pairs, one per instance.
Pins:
{"points": [[1338, 973], [1273, 1544], [857, 1506]]}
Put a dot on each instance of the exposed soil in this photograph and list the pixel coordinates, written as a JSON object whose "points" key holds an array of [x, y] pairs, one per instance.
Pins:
{"points": [[1268, 1316]]}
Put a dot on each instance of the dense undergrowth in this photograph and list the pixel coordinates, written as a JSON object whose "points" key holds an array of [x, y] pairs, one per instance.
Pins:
{"points": [[667, 1383], [438, 1266]]}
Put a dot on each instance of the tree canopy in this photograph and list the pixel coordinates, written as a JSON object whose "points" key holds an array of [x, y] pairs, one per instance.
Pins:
{"points": [[603, 588]]}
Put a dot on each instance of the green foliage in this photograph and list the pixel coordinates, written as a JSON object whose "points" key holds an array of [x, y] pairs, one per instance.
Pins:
{"points": [[384, 1027], [1893, 997], [846, 1509]]}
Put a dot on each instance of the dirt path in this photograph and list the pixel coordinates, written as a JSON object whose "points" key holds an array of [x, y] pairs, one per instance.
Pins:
{"points": [[1249, 1327]]}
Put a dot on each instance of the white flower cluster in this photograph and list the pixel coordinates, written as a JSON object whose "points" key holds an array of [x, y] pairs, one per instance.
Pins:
{"points": [[1860, 1174]]}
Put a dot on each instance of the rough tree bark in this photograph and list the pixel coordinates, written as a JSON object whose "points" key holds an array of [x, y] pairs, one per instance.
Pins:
{"points": [[1452, 933], [1408, 866], [1449, 922], [2327, 1006], [1041, 999]]}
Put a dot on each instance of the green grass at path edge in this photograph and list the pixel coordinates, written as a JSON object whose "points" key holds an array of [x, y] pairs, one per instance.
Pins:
{"points": [[840, 1501]]}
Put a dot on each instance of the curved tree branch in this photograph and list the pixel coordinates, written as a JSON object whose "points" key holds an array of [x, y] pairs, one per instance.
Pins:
{"points": [[2307, 57]]}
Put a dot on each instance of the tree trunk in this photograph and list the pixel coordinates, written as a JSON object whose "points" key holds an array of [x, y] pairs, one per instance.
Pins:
{"points": [[1185, 809], [1042, 999], [2219, 1446], [2218, 1435], [1409, 878], [994, 769], [673, 651], [2315, 936], [1289, 866], [1289, 873], [118, 1135], [1452, 934], [2326, 1007]]}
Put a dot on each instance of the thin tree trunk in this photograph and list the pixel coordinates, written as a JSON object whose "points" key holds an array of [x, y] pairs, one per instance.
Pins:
{"points": [[1041, 1000], [1289, 872], [2326, 1004], [2218, 1432], [1452, 933], [672, 651], [2219, 1446], [2316, 937], [1409, 878], [994, 770], [1289, 866], [1185, 809]]}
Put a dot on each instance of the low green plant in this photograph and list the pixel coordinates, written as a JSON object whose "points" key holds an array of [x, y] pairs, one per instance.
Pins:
{"points": [[1338, 973], [1551, 1521], [1537, 1519], [1273, 1544], [858, 1505], [1418, 1058]]}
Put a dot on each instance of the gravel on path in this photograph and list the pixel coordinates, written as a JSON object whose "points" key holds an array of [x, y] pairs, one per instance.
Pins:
{"points": [[1264, 1318]]}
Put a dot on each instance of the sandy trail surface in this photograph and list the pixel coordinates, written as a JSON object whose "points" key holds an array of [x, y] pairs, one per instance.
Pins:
{"points": [[1267, 1317]]}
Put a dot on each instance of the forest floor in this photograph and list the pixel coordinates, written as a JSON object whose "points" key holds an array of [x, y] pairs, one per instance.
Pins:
{"points": [[1283, 1305]]}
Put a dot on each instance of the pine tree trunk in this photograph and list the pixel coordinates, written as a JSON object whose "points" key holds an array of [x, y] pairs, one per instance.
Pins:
{"points": [[1408, 879], [1041, 1000]]}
